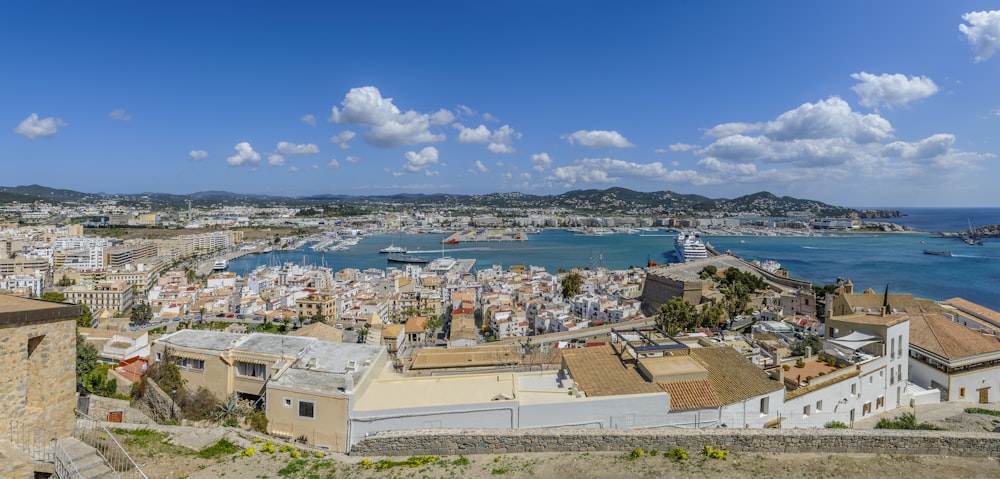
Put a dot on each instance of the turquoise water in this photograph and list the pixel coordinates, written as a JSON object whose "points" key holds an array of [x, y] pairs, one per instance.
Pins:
{"points": [[973, 272]]}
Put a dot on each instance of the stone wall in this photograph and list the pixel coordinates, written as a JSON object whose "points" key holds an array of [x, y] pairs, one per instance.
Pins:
{"points": [[453, 442], [155, 403], [101, 407], [38, 376]]}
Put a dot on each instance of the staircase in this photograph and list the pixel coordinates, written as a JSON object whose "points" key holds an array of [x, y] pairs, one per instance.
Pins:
{"points": [[76, 460]]}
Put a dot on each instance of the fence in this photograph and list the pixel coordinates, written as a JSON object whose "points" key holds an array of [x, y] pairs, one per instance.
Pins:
{"points": [[39, 445], [93, 433]]}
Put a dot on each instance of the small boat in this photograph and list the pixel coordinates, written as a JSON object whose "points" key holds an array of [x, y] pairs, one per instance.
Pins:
{"points": [[937, 253], [450, 241], [406, 258], [220, 265], [392, 249]]}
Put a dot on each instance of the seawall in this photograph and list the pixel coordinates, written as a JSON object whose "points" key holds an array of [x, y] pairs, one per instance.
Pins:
{"points": [[454, 442]]}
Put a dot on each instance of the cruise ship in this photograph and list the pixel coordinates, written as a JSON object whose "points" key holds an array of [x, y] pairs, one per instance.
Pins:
{"points": [[689, 247], [220, 265]]}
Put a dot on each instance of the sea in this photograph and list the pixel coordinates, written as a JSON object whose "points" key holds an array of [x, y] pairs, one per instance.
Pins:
{"points": [[869, 260]]}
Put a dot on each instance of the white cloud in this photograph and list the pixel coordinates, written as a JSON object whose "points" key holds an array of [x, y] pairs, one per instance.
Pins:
{"points": [[502, 139], [726, 129], [293, 169], [32, 127], [682, 147], [198, 155], [610, 171], [333, 164], [525, 176], [480, 134], [479, 168], [286, 148], [891, 89], [119, 114], [422, 161], [393, 173], [308, 120], [353, 159], [490, 118], [830, 118], [827, 140], [343, 138], [465, 111], [540, 161], [982, 32], [597, 138], [245, 155], [499, 164], [442, 117], [315, 166], [388, 126], [274, 159]]}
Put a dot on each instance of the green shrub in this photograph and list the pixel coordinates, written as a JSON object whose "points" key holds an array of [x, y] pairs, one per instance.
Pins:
{"points": [[976, 410], [905, 421], [677, 454], [635, 454], [714, 453], [222, 447], [836, 425]]}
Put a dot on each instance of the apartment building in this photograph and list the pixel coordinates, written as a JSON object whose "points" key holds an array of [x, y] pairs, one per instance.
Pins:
{"points": [[114, 296]]}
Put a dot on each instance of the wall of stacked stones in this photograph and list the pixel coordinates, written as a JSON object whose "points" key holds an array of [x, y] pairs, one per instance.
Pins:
{"points": [[454, 442]]}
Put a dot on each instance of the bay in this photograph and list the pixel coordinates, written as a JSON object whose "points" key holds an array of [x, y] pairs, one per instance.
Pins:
{"points": [[868, 260]]}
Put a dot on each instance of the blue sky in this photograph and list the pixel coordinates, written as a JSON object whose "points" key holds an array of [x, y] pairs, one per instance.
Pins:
{"points": [[854, 103]]}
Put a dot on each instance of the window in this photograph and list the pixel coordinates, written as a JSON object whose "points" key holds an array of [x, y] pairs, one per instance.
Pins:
{"points": [[764, 406], [899, 372], [193, 364], [288, 402], [159, 356], [854, 389], [900, 345], [879, 402], [866, 408], [892, 348], [251, 370], [307, 409], [819, 406], [805, 410], [961, 393]]}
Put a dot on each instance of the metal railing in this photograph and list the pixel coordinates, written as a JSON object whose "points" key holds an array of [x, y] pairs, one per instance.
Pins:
{"points": [[64, 468], [91, 432], [38, 444]]}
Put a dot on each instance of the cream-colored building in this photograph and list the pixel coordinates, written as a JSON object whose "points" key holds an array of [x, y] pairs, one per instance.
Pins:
{"points": [[114, 296]]}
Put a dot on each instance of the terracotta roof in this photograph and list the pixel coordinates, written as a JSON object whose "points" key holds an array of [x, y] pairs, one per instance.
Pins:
{"points": [[687, 395], [732, 377], [974, 309], [599, 372], [415, 324], [321, 331], [948, 339]]}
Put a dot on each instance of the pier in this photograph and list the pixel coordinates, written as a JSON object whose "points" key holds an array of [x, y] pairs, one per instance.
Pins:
{"points": [[483, 235]]}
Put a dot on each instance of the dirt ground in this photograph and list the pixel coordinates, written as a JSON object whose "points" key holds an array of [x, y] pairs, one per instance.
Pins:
{"points": [[163, 459]]}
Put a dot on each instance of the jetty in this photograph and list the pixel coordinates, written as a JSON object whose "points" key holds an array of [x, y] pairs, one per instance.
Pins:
{"points": [[484, 235]]}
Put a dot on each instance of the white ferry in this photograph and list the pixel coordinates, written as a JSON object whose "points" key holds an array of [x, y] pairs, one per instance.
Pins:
{"points": [[689, 247], [220, 265], [392, 249]]}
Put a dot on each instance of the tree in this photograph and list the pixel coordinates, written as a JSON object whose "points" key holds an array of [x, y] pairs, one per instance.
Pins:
{"points": [[86, 358], [675, 315], [141, 313], [53, 296], [318, 317], [189, 274], [86, 317], [433, 324], [571, 285], [712, 316], [65, 281], [811, 341]]}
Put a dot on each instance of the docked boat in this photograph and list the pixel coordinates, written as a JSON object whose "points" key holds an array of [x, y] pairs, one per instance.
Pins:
{"points": [[689, 247], [407, 258], [450, 241], [220, 265], [937, 253], [392, 249]]}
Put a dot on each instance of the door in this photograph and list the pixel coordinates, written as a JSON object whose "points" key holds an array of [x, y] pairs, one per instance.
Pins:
{"points": [[984, 395]]}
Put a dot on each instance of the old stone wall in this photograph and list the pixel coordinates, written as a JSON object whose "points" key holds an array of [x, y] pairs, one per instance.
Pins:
{"points": [[453, 442], [38, 376], [155, 403], [101, 407]]}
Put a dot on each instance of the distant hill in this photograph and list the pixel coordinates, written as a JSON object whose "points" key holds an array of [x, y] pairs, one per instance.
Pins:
{"points": [[610, 201]]}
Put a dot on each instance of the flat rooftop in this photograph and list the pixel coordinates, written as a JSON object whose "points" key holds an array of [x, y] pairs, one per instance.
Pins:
{"points": [[14, 309]]}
